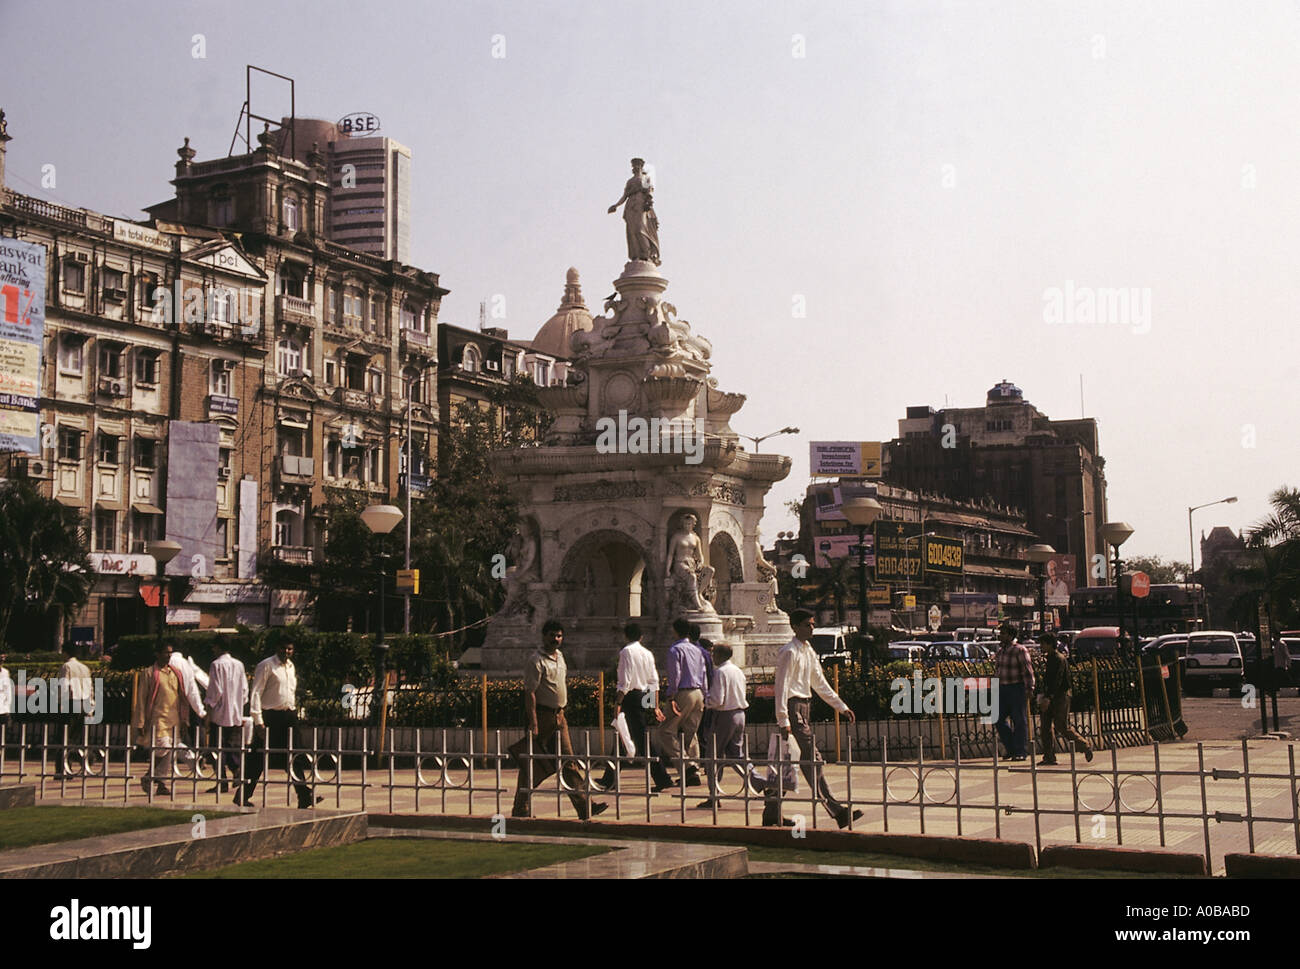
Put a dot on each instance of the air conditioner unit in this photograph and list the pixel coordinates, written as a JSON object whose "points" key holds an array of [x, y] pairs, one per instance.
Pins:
{"points": [[115, 294], [78, 257], [493, 365], [223, 473], [112, 386], [33, 467]]}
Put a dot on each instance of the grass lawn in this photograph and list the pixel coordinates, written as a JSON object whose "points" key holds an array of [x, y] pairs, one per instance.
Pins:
{"points": [[407, 858], [26, 826]]}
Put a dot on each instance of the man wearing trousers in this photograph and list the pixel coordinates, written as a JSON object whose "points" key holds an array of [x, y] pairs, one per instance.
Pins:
{"points": [[1015, 674], [798, 673], [545, 697], [273, 704], [227, 696], [727, 703], [1056, 711], [638, 692], [687, 681]]}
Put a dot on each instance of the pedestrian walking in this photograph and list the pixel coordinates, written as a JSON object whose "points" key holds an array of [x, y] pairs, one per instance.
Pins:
{"points": [[1054, 702], [273, 704], [165, 695], [705, 647], [76, 701], [727, 702], [545, 696], [1015, 675], [638, 694], [227, 695], [687, 681], [798, 673], [6, 695]]}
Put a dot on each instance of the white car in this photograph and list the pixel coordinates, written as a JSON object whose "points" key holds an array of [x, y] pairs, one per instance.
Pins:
{"points": [[1213, 659]]}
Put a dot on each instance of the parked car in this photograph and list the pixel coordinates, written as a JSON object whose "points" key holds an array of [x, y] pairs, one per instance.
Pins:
{"points": [[832, 644], [911, 651], [1213, 659], [1095, 641], [956, 650]]}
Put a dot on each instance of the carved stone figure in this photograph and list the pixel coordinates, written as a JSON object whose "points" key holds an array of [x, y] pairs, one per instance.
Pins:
{"points": [[639, 215], [521, 554], [687, 575], [766, 572]]}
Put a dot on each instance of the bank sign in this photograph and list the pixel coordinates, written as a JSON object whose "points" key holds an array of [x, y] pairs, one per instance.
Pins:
{"points": [[22, 325], [897, 553]]}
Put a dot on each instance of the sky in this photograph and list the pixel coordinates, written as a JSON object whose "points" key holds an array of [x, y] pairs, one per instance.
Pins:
{"points": [[863, 206]]}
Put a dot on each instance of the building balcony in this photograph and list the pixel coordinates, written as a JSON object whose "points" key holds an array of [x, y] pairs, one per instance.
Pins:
{"points": [[359, 399], [416, 339], [294, 311], [292, 554], [293, 470]]}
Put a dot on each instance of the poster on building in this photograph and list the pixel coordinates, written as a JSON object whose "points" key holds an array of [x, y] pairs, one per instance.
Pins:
{"points": [[860, 458], [1060, 580], [829, 548], [829, 498], [943, 556], [22, 326], [898, 554]]}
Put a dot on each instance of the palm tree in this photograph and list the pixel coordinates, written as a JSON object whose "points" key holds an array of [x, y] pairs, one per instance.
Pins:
{"points": [[839, 582], [45, 571], [1275, 572]]}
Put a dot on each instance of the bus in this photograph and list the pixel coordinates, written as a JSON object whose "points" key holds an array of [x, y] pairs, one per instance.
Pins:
{"points": [[1172, 608]]}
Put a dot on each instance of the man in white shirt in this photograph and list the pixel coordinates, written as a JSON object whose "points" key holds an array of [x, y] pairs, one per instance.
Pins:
{"points": [[76, 703], [798, 673], [638, 693], [273, 704], [727, 700], [227, 694], [6, 694]]}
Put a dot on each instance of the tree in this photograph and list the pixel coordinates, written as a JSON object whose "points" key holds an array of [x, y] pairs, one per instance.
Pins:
{"points": [[1161, 572], [1272, 572], [45, 575]]}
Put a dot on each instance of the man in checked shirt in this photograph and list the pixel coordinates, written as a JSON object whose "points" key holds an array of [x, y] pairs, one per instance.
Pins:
{"points": [[1015, 675]]}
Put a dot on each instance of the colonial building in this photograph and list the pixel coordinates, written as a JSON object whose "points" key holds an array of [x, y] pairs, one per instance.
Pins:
{"points": [[213, 376]]}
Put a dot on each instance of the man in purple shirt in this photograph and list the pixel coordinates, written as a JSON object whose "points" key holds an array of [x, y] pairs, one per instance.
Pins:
{"points": [[687, 681]]}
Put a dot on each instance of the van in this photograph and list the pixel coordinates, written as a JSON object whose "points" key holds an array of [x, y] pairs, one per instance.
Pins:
{"points": [[832, 644], [1095, 641], [1213, 659]]}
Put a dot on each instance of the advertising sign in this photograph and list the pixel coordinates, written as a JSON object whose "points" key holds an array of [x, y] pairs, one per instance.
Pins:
{"points": [[22, 325], [897, 552], [830, 499], [943, 556], [1060, 580], [878, 595], [845, 458], [829, 548]]}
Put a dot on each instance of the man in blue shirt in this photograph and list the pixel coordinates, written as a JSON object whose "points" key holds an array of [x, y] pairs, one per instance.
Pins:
{"points": [[687, 682]]}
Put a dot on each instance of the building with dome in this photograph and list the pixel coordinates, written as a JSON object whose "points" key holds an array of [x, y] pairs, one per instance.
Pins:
{"points": [[572, 316], [1009, 452]]}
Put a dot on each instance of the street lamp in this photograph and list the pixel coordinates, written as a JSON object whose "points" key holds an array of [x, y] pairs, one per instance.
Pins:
{"points": [[1039, 555], [862, 513], [381, 519], [759, 440], [1116, 534], [1191, 562], [162, 552]]}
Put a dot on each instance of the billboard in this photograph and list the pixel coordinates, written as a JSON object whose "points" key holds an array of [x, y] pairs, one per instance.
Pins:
{"points": [[1060, 580], [943, 556], [897, 553], [845, 458], [830, 499], [22, 326], [828, 548]]}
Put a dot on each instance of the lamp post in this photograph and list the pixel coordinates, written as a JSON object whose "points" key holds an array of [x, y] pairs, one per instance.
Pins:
{"points": [[1116, 534], [381, 519], [759, 440], [862, 513], [1191, 561], [162, 552], [1039, 555]]}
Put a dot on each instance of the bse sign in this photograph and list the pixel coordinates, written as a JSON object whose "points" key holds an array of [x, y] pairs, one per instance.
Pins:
{"points": [[359, 123]]}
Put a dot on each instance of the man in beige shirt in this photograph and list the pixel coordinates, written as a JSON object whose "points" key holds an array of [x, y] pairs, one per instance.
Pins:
{"points": [[164, 697], [545, 697]]}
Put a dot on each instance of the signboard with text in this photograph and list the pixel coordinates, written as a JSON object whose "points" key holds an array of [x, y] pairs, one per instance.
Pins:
{"points": [[845, 458], [829, 548], [1060, 580], [897, 553], [943, 556], [22, 325]]}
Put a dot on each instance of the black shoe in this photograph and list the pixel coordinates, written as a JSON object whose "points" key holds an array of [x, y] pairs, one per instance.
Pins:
{"points": [[217, 788], [693, 779], [709, 804], [309, 805], [162, 790], [1087, 754], [600, 808], [606, 782], [842, 819], [1047, 763]]}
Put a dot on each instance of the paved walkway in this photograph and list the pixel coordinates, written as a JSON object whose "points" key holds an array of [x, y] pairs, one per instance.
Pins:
{"points": [[992, 805]]}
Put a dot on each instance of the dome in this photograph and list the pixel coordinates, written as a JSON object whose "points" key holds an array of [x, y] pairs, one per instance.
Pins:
{"points": [[572, 316], [1005, 393]]}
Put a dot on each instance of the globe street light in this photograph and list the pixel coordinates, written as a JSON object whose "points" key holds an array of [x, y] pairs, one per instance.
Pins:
{"points": [[863, 513], [1191, 562], [381, 519], [1116, 534], [162, 553], [1039, 555]]}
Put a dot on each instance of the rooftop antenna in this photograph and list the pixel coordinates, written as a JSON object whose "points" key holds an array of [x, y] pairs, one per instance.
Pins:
{"points": [[247, 116], [482, 315], [1082, 413]]}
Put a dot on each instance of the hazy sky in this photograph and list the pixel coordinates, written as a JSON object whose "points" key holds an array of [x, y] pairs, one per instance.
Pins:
{"points": [[921, 176]]}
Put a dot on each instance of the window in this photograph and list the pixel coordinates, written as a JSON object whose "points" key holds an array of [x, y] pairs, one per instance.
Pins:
{"points": [[71, 358], [219, 384], [223, 211], [355, 373], [291, 442], [223, 537], [148, 528], [288, 358], [408, 316], [508, 366], [293, 281], [148, 282], [375, 381], [333, 458], [110, 360], [105, 530], [114, 282], [146, 453], [471, 359], [74, 276], [223, 461], [288, 527], [146, 366], [331, 373], [377, 310], [219, 300], [70, 444], [373, 465], [109, 447], [352, 306], [543, 373], [291, 213], [333, 304]]}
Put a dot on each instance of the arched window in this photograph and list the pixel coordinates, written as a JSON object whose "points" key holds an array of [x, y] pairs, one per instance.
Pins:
{"points": [[290, 213], [472, 360]]}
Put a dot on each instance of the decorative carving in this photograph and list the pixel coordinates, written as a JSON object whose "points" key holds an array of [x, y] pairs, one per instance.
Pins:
{"points": [[600, 491], [522, 551], [719, 491], [687, 575], [767, 573]]}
